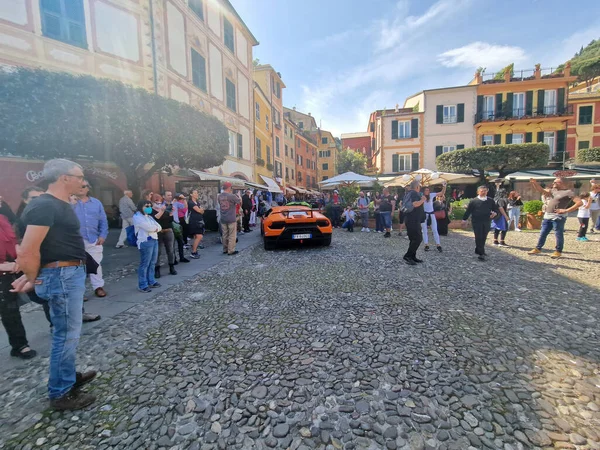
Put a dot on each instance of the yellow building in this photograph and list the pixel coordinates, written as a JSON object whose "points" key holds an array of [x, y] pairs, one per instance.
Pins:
{"points": [[525, 106], [327, 157], [263, 135], [289, 144]]}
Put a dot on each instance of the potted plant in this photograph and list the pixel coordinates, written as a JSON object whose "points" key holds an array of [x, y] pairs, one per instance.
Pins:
{"points": [[533, 209]]}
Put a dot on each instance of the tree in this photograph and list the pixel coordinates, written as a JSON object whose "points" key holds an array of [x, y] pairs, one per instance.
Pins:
{"points": [[504, 159], [49, 115], [351, 161], [587, 70], [587, 155], [510, 68]]}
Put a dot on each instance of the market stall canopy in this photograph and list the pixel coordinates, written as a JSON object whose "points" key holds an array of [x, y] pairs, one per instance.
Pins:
{"points": [[582, 173], [299, 189], [347, 178], [272, 186], [237, 183], [430, 178]]}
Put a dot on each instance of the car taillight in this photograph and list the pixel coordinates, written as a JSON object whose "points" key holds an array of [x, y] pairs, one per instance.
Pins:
{"points": [[323, 223], [277, 225]]}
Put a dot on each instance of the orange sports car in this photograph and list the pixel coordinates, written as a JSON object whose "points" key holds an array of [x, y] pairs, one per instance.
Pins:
{"points": [[295, 224]]}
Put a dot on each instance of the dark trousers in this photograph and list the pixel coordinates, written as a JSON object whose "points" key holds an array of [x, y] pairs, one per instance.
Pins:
{"points": [[415, 236], [10, 314], [583, 226], [378, 221], [502, 235], [246, 220], [481, 230], [166, 239], [184, 230], [336, 212]]}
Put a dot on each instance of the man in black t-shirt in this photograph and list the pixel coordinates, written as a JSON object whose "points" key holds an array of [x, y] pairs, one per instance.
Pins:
{"points": [[52, 257], [413, 220], [481, 210]]}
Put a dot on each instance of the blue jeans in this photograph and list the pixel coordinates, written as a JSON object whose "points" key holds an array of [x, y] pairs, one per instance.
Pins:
{"points": [[559, 229], [514, 214], [378, 221], [348, 224], [386, 218], [148, 258], [63, 288]]}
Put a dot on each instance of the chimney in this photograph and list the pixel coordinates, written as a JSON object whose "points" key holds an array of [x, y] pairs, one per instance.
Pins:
{"points": [[507, 75], [478, 77], [567, 70], [538, 72], [397, 108], [309, 114], [294, 108]]}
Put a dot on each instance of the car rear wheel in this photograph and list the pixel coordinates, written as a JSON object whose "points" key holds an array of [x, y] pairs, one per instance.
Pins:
{"points": [[268, 244], [327, 241]]}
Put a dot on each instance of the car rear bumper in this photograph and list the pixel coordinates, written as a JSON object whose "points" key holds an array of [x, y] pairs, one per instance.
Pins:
{"points": [[286, 236]]}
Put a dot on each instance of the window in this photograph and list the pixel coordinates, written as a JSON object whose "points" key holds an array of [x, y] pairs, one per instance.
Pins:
{"points": [[550, 102], [287, 173], [285, 129], [292, 153], [277, 146], [308, 164], [233, 142], [196, 6], [325, 166], [324, 140], [518, 105], [199, 71], [268, 152], [300, 176], [286, 150], [240, 146], [583, 144], [448, 148], [404, 130], [488, 139], [450, 114], [325, 178], [277, 89], [258, 111], [64, 20], [518, 138], [258, 149], [292, 174], [230, 88], [276, 117], [278, 169], [488, 107], [228, 32], [404, 163], [308, 180], [301, 125], [299, 160], [267, 121], [585, 115], [549, 141]]}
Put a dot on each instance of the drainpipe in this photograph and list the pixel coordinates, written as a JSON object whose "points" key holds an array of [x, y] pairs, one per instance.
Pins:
{"points": [[152, 37]]}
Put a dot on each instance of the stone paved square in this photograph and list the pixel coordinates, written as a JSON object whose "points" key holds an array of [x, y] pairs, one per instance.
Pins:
{"points": [[341, 347]]}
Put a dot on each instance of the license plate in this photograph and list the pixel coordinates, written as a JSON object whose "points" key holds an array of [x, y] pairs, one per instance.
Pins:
{"points": [[301, 236]]}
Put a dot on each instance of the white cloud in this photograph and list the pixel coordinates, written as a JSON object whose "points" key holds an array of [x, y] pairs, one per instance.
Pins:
{"points": [[482, 54]]}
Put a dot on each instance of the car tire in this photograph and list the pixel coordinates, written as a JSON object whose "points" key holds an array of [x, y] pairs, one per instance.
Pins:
{"points": [[327, 241], [262, 230], [268, 244]]}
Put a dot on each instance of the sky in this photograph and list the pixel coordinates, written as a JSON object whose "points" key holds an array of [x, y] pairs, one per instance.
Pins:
{"points": [[343, 59]]}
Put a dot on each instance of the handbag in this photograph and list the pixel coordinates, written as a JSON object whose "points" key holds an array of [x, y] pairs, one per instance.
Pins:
{"points": [[440, 215]]}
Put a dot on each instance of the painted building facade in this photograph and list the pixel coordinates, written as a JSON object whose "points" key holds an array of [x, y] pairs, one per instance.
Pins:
{"points": [[199, 53], [532, 107], [263, 135], [272, 85], [448, 115], [584, 125], [358, 142], [306, 160], [327, 156], [397, 140], [289, 152]]}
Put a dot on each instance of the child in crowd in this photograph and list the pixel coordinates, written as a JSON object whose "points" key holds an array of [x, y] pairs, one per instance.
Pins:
{"points": [[349, 217], [583, 215]]}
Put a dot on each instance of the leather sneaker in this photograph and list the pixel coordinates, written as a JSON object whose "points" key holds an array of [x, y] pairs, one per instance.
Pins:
{"points": [[83, 378], [100, 292], [72, 400]]}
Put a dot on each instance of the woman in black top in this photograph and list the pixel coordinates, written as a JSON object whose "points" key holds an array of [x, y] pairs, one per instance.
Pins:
{"points": [[514, 209], [196, 223]]}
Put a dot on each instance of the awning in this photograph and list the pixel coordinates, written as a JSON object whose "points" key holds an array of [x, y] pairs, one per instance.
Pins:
{"points": [[272, 186], [290, 190], [237, 183]]}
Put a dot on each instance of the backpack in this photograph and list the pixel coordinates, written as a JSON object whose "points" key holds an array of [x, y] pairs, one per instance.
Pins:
{"points": [[407, 204]]}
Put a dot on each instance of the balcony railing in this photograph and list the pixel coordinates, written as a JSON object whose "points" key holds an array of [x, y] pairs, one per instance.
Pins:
{"points": [[450, 119], [523, 113], [521, 75]]}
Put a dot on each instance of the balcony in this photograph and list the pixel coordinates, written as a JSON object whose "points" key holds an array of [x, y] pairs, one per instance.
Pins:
{"points": [[547, 112]]}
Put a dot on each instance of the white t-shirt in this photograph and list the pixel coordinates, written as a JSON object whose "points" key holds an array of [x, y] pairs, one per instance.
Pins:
{"points": [[583, 212], [428, 205]]}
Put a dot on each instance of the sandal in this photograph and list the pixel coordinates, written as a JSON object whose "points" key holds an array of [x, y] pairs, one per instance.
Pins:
{"points": [[23, 353]]}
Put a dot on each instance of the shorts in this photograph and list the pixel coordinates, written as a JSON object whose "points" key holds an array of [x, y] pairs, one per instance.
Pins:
{"points": [[386, 217], [196, 227], [401, 217]]}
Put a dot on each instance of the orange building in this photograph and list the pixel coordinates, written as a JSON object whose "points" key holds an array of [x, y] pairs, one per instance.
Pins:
{"points": [[306, 161], [584, 125]]}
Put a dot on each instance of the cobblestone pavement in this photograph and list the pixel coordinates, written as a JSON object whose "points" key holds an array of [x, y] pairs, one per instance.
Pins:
{"points": [[341, 347]]}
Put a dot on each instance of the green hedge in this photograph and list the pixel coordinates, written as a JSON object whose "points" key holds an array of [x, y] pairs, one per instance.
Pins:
{"points": [[589, 155]]}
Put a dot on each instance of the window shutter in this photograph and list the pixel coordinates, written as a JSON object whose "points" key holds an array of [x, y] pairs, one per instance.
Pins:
{"points": [[394, 163], [394, 129], [497, 139], [460, 112], [561, 136], [240, 146], [508, 139], [528, 103], [508, 106], [528, 137], [560, 102], [540, 105], [460, 146], [498, 104], [439, 114], [414, 128], [479, 107], [414, 164], [540, 136], [438, 150]]}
